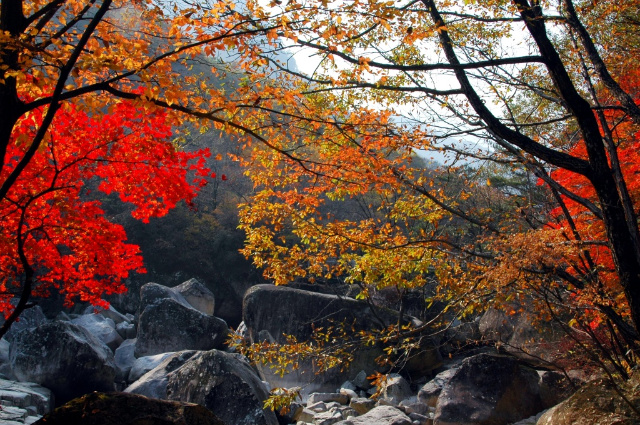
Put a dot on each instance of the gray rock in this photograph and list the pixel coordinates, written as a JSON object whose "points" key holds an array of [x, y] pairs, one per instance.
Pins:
{"points": [[101, 327], [321, 406], [63, 357], [26, 395], [430, 392], [327, 398], [12, 413], [225, 384], [153, 384], [29, 319], [152, 293], [332, 416], [306, 416], [348, 385], [168, 325], [361, 381], [197, 295], [329, 417], [489, 389], [412, 405], [124, 359], [126, 330], [381, 415], [5, 367], [395, 389], [362, 405], [419, 418], [144, 364], [349, 393], [461, 335]]}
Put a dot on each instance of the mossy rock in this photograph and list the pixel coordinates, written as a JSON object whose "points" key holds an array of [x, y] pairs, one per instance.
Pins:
{"points": [[128, 409]]}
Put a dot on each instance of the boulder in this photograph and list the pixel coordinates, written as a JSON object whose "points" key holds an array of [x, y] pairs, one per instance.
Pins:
{"points": [[276, 311], [381, 415], [144, 364], [168, 325], [26, 395], [327, 397], [5, 366], [29, 319], [11, 415], [152, 293], [412, 405], [63, 357], [596, 403], [489, 390], [348, 392], [197, 295], [362, 405], [129, 409], [460, 335], [101, 327], [360, 380], [430, 391], [124, 358], [126, 330], [395, 389], [154, 383], [225, 384]]}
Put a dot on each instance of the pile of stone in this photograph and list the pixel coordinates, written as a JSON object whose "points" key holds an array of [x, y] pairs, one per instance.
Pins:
{"points": [[173, 349], [482, 389]]}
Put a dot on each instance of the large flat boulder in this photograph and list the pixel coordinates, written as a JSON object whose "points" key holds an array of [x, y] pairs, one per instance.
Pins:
{"points": [[129, 409], [270, 312], [63, 357]]}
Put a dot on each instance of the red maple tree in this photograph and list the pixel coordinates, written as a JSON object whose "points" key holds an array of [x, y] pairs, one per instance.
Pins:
{"points": [[593, 263], [52, 235]]}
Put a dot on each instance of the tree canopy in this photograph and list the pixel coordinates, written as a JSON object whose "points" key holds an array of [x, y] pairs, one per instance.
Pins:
{"points": [[536, 87], [501, 92]]}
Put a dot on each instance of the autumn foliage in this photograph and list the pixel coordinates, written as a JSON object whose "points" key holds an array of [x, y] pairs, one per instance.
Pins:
{"points": [[54, 226], [339, 156]]}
